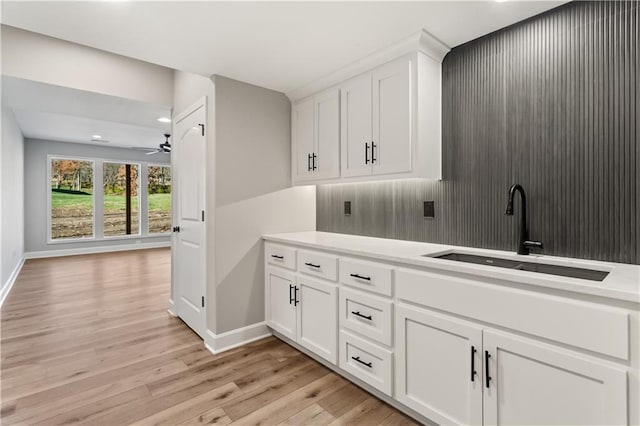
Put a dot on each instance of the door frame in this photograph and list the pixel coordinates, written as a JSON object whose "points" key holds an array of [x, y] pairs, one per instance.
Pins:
{"points": [[175, 176]]}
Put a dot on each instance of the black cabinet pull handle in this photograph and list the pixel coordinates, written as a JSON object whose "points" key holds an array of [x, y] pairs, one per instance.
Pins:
{"points": [[312, 265], [367, 317], [487, 355], [295, 296], [308, 162], [473, 363], [373, 155], [366, 153], [291, 298], [313, 161], [277, 257], [357, 358], [176, 229], [361, 277]]}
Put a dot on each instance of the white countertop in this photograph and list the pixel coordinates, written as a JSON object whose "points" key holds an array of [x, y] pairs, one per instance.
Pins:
{"points": [[622, 283]]}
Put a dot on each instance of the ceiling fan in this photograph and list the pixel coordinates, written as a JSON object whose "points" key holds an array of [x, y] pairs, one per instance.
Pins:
{"points": [[164, 148]]}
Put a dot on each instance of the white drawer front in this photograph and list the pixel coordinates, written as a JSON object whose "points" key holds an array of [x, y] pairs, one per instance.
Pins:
{"points": [[368, 315], [366, 361], [318, 264], [368, 276], [280, 255]]}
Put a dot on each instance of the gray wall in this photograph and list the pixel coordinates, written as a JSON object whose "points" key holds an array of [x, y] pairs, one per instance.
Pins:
{"points": [[550, 103], [252, 194], [11, 197], [35, 170]]}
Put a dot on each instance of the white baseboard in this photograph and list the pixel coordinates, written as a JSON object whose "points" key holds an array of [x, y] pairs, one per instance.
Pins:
{"points": [[217, 343], [6, 287], [91, 250]]}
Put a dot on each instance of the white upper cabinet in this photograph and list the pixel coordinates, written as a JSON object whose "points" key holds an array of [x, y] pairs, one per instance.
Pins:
{"points": [[315, 131], [381, 119], [356, 127]]}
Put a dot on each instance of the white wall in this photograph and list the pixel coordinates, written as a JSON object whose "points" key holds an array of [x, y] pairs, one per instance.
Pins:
{"points": [[253, 196], [11, 198], [36, 190], [37, 57]]}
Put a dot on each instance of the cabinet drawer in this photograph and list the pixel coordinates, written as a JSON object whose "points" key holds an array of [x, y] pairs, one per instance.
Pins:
{"points": [[366, 275], [368, 315], [366, 361], [280, 255], [318, 264]]}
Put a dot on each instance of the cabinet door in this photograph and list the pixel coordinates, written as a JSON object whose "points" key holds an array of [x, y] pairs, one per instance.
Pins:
{"points": [[280, 308], [302, 130], [356, 127], [327, 135], [317, 317], [392, 117], [438, 366], [535, 383]]}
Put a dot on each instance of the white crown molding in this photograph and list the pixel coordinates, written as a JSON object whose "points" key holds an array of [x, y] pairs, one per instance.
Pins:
{"points": [[6, 288], [92, 250], [217, 343], [421, 41]]}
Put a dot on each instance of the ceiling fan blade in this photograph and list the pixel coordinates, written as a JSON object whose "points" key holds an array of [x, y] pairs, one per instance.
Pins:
{"points": [[143, 148], [152, 152]]}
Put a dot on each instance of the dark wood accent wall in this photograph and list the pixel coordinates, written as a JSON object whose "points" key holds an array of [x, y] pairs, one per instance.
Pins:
{"points": [[550, 103]]}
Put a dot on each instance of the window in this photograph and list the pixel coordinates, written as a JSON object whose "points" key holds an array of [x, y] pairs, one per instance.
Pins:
{"points": [[121, 215], [71, 198], [159, 196]]}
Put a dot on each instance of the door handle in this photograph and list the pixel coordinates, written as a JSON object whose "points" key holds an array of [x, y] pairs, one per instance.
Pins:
{"points": [[366, 153], [487, 355], [358, 314], [473, 362], [357, 359], [373, 152], [312, 265], [176, 229], [361, 277], [295, 296], [313, 161], [291, 298], [275, 256], [308, 162]]}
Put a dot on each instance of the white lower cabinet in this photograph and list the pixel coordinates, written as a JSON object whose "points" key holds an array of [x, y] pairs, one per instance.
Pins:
{"points": [[453, 371], [280, 307], [540, 384], [303, 310], [317, 317], [439, 366]]}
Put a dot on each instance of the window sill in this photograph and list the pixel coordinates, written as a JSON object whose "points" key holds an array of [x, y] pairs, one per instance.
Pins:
{"points": [[103, 239]]}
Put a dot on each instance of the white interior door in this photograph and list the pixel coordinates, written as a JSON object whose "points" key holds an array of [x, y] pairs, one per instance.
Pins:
{"points": [[327, 146], [392, 117], [536, 384], [303, 138], [356, 126], [189, 238], [439, 366]]}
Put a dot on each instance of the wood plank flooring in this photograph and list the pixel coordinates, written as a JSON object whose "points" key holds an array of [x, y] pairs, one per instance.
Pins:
{"points": [[88, 340]]}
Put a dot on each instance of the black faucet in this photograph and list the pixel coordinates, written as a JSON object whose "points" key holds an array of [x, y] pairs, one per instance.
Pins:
{"points": [[523, 244]]}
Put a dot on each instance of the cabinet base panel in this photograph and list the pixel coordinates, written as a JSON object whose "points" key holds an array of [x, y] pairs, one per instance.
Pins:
{"points": [[392, 402]]}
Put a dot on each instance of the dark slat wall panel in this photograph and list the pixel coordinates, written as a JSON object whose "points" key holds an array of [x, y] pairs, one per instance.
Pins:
{"points": [[550, 103]]}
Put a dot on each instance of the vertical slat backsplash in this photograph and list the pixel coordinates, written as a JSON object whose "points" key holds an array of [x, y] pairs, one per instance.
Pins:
{"points": [[550, 103]]}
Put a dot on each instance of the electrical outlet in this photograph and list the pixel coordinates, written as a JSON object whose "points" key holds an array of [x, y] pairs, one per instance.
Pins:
{"points": [[347, 207], [428, 210]]}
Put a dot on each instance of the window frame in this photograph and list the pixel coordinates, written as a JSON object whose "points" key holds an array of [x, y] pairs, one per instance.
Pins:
{"points": [[98, 211], [157, 234]]}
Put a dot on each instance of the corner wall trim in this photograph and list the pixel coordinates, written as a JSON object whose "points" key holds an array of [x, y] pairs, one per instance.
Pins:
{"points": [[92, 250], [217, 343], [6, 288]]}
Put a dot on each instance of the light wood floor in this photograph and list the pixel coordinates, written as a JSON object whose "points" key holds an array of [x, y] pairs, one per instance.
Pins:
{"points": [[87, 339]]}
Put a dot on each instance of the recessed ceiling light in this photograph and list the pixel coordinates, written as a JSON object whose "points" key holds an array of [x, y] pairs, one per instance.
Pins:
{"points": [[96, 137], [164, 120]]}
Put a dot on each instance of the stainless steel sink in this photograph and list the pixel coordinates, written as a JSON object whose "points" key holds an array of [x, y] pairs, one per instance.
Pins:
{"points": [[541, 268]]}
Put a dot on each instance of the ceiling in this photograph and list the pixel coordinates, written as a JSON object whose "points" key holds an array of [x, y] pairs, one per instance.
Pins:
{"points": [[278, 45], [45, 111]]}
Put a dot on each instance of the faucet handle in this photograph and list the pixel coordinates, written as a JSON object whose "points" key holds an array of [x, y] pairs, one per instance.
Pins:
{"points": [[534, 244]]}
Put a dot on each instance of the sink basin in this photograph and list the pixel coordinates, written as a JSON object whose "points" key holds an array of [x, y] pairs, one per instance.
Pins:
{"points": [[541, 268]]}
